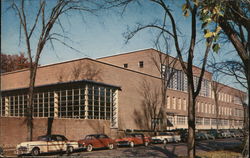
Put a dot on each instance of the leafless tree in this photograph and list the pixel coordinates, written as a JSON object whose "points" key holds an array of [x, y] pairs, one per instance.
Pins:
{"points": [[216, 89], [46, 17], [193, 91], [150, 95]]}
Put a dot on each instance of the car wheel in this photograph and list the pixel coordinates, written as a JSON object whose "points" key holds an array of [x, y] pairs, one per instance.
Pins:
{"points": [[70, 149], [165, 141], [131, 144], [146, 143], [35, 152], [89, 147], [111, 146]]}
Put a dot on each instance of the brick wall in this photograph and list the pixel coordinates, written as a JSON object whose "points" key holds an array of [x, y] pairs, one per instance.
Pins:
{"points": [[14, 130]]}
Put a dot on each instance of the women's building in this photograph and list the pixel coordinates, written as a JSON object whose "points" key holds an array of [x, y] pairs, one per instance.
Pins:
{"points": [[111, 94]]}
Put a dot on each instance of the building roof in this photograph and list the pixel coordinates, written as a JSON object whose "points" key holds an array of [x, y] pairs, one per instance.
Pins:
{"points": [[60, 84]]}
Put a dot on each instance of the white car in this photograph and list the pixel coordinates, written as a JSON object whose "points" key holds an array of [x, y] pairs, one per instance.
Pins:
{"points": [[45, 144], [165, 137]]}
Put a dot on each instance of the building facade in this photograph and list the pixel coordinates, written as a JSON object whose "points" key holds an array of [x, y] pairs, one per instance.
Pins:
{"points": [[113, 94]]}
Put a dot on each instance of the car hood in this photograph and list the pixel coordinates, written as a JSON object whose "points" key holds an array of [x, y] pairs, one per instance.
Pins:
{"points": [[123, 139], [156, 137], [31, 143]]}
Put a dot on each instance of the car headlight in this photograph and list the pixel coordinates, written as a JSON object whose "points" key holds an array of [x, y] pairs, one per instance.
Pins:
{"points": [[23, 148]]}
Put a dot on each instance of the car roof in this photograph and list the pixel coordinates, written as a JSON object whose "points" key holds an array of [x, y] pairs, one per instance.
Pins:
{"points": [[52, 135], [134, 133], [96, 135]]}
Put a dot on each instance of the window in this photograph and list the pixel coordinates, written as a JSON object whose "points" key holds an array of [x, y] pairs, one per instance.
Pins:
{"points": [[64, 103], [205, 108], [202, 107], [209, 108], [171, 119], [199, 121], [179, 104], [213, 122], [181, 120], [184, 104], [206, 121], [174, 103], [125, 65], [198, 106], [141, 64], [168, 102]]}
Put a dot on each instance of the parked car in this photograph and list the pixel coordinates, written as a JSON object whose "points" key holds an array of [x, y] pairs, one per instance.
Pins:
{"points": [[184, 136], [133, 139], [215, 133], [94, 141], [203, 136], [236, 133], [166, 137], [45, 144], [200, 136], [226, 134], [1, 152]]}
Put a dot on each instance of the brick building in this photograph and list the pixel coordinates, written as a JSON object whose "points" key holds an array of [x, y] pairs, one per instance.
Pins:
{"points": [[107, 95]]}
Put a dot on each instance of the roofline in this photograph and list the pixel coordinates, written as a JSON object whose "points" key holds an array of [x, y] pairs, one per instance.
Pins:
{"points": [[229, 86], [46, 65], [61, 83], [97, 60], [120, 54], [140, 50]]}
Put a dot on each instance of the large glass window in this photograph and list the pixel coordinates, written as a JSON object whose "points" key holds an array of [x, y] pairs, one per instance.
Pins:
{"points": [[199, 121], [69, 103], [181, 120], [206, 121]]}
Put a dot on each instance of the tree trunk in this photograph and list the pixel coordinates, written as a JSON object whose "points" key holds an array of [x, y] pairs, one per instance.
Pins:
{"points": [[50, 123], [191, 123], [33, 69]]}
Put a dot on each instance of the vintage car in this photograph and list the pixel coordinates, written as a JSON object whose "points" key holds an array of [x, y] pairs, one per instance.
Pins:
{"points": [[94, 141], [45, 144], [133, 139], [166, 137]]}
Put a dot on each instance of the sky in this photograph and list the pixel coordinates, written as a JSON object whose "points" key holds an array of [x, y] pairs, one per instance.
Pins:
{"points": [[96, 35]]}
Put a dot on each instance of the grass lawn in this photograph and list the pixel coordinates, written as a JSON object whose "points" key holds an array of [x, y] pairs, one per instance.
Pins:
{"points": [[217, 154]]}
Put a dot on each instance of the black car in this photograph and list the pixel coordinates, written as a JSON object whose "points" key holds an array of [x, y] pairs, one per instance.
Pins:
{"points": [[216, 134]]}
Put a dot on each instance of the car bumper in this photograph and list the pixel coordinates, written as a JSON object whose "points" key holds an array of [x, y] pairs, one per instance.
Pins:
{"points": [[123, 143], [157, 141], [21, 151]]}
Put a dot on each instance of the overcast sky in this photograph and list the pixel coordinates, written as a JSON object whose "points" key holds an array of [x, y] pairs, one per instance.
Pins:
{"points": [[97, 35]]}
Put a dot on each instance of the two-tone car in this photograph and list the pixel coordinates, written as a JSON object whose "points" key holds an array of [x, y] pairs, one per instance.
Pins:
{"points": [[166, 137], [94, 141], [132, 139], [47, 144]]}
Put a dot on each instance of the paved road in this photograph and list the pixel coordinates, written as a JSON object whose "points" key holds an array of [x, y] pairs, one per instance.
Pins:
{"points": [[159, 150], [171, 150]]}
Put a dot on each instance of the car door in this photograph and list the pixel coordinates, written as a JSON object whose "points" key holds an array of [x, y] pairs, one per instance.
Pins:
{"points": [[93, 140], [139, 139], [61, 144], [52, 143], [104, 140]]}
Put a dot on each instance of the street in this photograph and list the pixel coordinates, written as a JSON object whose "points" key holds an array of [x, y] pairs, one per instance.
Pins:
{"points": [[170, 150], [159, 150]]}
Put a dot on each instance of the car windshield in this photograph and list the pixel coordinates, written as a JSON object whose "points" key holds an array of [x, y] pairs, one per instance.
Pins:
{"points": [[42, 138]]}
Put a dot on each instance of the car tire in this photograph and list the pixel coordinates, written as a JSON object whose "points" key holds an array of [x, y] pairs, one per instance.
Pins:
{"points": [[131, 144], [165, 141], [146, 143], [35, 151], [89, 148], [69, 150], [111, 146]]}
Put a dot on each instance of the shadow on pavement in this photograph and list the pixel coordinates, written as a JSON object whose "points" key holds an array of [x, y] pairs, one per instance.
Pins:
{"points": [[151, 151]]}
